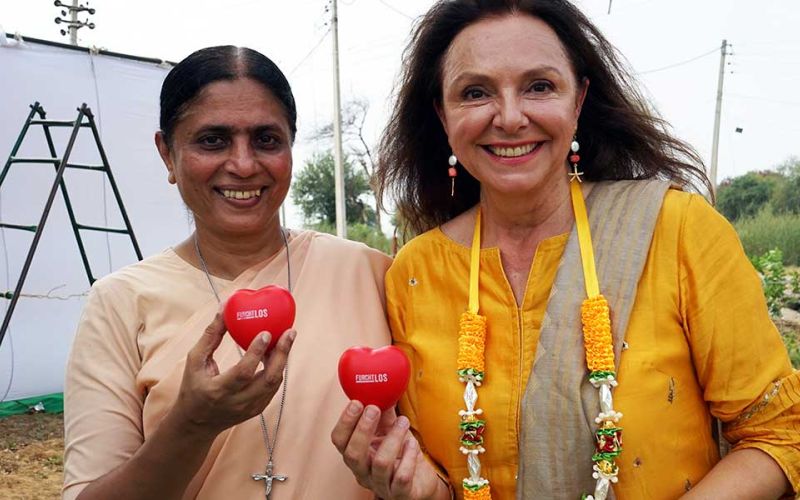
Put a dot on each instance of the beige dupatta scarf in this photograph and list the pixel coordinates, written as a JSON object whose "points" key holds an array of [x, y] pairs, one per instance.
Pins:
{"points": [[556, 440]]}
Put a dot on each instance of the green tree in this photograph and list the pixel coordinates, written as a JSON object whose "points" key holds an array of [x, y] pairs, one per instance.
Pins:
{"points": [[786, 197], [354, 139], [745, 195], [313, 192]]}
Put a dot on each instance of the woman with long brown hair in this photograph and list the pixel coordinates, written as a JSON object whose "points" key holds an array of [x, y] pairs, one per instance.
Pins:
{"points": [[565, 286]]}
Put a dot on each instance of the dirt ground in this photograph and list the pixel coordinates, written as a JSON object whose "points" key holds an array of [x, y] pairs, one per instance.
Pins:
{"points": [[31, 457]]}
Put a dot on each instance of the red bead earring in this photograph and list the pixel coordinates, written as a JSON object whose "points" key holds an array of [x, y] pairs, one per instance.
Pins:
{"points": [[452, 172], [574, 158]]}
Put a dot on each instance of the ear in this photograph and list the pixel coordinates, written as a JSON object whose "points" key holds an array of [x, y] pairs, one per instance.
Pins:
{"points": [[583, 89], [166, 157], [440, 113]]}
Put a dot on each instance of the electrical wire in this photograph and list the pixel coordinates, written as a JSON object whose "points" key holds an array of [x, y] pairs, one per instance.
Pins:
{"points": [[675, 65], [305, 58], [9, 335], [105, 177], [764, 99], [395, 9], [48, 295]]}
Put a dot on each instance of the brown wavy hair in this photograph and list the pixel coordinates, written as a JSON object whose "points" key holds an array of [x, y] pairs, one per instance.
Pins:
{"points": [[621, 135]]}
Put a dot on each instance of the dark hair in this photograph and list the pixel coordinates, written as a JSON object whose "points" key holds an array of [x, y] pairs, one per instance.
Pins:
{"points": [[620, 135], [225, 62]]}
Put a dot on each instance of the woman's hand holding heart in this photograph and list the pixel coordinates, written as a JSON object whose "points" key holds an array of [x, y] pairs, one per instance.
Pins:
{"points": [[210, 401], [384, 455]]}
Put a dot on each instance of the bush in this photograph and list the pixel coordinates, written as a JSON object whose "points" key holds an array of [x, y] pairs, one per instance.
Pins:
{"points": [[773, 279], [767, 231], [791, 338], [744, 196]]}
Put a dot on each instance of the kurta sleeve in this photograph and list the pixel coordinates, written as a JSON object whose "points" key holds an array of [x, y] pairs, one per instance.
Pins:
{"points": [[741, 362], [103, 407], [398, 305]]}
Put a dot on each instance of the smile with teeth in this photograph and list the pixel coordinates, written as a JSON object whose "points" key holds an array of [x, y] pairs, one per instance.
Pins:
{"points": [[240, 195], [514, 151]]}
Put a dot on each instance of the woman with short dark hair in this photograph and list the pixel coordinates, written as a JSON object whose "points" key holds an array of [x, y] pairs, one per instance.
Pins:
{"points": [[159, 402], [563, 287]]}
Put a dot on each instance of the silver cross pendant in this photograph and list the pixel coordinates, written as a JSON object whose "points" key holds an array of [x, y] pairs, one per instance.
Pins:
{"points": [[268, 477]]}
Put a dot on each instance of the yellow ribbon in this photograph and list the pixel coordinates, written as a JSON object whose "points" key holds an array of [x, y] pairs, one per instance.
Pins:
{"points": [[475, 264], [584, 241]]}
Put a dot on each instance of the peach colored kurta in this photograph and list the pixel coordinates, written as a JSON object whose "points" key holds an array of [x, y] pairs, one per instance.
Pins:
{"points": [[126, 364]]}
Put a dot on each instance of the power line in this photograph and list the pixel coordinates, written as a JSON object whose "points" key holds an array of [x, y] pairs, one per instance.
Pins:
{"points": [[675, 65], [764, 99], [398, 11], [316, 46]]}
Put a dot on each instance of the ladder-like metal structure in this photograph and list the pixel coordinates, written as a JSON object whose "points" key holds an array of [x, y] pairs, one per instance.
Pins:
{"points": [[85, 119]]}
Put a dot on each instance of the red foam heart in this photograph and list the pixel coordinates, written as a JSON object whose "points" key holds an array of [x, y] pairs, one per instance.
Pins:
{"points": [[250, 312], [374, 376]]}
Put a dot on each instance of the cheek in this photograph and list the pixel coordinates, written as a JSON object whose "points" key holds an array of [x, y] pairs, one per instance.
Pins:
{"points": [[281, 166]]}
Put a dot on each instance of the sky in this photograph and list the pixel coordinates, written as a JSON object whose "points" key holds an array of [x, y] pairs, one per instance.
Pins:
{"points": [[673, 46]]}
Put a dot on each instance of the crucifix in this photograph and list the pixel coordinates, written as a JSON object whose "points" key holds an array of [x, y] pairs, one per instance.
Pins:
{"points": [[268, 477]]}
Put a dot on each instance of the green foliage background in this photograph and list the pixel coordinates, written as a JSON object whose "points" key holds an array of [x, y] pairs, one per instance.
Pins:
{"points": [[765, 209], [313, 193]]}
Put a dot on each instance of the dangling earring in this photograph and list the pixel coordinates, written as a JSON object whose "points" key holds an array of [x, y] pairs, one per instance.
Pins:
{"points": [[574, 158], [452, 172]]}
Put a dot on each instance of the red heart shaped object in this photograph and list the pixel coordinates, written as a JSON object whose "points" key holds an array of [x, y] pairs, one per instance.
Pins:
{"points": [[374, 376], [250, 312]]}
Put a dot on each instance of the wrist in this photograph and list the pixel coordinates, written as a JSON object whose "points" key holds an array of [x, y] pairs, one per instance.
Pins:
{"points": [[178, 423], [444, 490]]}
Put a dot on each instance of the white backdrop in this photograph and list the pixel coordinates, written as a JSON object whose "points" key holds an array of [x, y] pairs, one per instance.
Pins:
{"points": [[123, 95]]}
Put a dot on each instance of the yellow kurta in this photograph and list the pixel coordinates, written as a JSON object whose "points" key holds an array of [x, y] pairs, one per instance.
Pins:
{"points": [[700, 344]]}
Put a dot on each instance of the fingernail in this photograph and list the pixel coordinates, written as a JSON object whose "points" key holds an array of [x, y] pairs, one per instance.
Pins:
{"points": [[401, 423], [371, 413], [292, 334], [265, 338], [354, 408]]}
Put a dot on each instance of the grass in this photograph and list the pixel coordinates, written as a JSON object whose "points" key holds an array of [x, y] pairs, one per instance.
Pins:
{"points": [[791, 337], [766, 231]]}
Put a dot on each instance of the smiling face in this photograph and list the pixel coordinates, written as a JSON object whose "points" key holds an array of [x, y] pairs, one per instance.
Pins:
{"points": [[231, 157], [510, 103]]}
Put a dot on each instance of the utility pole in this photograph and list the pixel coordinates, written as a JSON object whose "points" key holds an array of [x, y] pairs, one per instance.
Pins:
{"points": [[717, 115], [73, 23], [338, 171]]}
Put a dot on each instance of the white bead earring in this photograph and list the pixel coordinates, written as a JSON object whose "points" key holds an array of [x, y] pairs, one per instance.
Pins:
{"points": [[452, 172], [574, 158]]}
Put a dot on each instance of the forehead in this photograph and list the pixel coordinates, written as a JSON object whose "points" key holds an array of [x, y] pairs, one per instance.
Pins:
{"points": [[499, 43], [243, 101]]}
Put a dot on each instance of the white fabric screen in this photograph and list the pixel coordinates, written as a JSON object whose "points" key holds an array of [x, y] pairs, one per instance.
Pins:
{"points": [[123, 94]]}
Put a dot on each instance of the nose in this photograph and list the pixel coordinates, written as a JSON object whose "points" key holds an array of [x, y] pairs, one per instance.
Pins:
{"points": [[242, 159], [510, 115]]}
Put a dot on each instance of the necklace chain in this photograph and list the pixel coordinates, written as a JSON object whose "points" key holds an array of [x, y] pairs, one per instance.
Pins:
{"points": [[264, 430]]}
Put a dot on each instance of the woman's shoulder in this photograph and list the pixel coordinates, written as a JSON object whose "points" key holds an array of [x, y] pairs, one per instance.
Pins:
{"points": [[426, 249], [162, 267], [330, 247], [685, 210]]}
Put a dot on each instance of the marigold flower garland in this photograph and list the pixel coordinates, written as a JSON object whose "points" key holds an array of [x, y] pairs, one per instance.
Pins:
{"points": [[471, 344], [598, 345]]}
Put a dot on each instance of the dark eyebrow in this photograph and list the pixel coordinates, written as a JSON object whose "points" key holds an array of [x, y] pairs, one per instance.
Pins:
{"points": [[538, 71], [228, 130]]}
